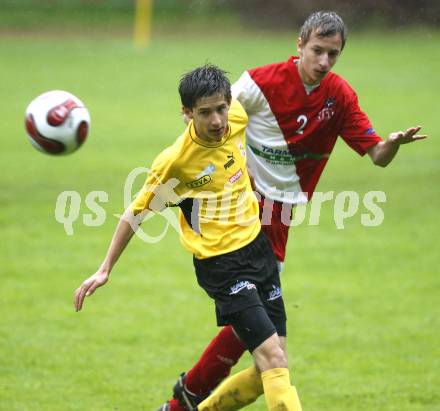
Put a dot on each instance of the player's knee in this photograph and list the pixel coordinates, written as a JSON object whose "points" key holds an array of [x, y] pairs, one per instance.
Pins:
{"points": [[270, 354], [276, 358]]}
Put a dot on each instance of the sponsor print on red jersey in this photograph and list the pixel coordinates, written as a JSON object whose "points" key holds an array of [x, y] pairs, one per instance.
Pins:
{"points": [[291, 133]]}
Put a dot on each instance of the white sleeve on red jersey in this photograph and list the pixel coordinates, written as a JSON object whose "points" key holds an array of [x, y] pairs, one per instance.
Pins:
{"points": [[247, 93]]}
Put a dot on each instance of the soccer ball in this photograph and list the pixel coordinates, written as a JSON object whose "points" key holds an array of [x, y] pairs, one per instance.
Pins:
{"points": [[57, 122]]}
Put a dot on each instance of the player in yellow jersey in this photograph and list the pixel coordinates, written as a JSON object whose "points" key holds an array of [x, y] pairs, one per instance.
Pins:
{"points": [[204, 174], [207, 180]]}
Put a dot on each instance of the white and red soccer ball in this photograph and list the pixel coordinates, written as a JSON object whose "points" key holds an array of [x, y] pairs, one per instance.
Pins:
{"points": [[57, 122]]}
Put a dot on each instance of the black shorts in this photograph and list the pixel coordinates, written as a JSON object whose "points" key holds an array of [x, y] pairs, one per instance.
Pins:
{"points": [[244, 278]]}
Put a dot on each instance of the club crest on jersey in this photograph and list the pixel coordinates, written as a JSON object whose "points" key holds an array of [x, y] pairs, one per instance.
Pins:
{"points": [[199, 182], [241, 149], [230, 161], [327, 111]]}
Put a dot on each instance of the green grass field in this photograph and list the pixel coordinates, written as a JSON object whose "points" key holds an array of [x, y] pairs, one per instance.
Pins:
{"points": [[363, 303]]}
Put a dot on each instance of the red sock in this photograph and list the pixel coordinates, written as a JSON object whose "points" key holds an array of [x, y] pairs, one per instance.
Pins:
{"points": [[175, 406], [215, 363]]}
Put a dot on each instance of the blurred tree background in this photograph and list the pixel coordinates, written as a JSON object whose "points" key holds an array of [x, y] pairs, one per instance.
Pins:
{"points": [[360, 13], [19, 15]]}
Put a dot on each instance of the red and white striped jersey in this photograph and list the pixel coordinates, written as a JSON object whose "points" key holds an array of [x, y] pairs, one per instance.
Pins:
{"points": [[291, 134]]}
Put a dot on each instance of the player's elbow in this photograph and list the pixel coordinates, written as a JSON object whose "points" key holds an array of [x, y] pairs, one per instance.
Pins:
{"points": [[380, 162]]}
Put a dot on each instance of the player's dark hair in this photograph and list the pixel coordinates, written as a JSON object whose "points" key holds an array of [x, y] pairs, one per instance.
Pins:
{"points": [[325, 23], [203, 81]]}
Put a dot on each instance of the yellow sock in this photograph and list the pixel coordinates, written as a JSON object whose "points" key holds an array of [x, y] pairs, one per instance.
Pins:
{"points": [[235, 392], [279, 394]]}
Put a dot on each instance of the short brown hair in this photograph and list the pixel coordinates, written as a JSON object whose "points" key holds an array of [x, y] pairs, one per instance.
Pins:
{"points": [[203, 81], [325, 23]]}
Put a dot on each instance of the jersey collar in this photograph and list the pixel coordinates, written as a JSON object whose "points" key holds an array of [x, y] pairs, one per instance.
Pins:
{"points": [[293, 67], [204, 143]]}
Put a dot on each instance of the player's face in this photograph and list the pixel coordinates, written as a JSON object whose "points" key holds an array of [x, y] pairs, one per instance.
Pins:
{"points": [[210, 115], [318, 56]]}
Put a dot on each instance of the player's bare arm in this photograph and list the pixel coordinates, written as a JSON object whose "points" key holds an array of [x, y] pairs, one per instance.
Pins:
{"points": [[383, 153], [127, 226]]}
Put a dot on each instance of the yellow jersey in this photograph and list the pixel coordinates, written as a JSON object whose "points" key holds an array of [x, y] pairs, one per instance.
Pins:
{"points": [[209, 182]]}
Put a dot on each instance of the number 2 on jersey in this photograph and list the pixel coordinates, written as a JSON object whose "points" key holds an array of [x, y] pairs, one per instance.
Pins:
{"points": [[302, 119]]}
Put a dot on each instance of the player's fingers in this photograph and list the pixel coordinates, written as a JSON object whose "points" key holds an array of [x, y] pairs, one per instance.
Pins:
{"points": [[412, 131], [77, 299], [93, 287], [80, 295], [415, 129], [81, 298]]}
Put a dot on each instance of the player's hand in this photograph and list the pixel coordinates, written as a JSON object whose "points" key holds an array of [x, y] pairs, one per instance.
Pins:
{"points": [[405, 137], [88, 287]]}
